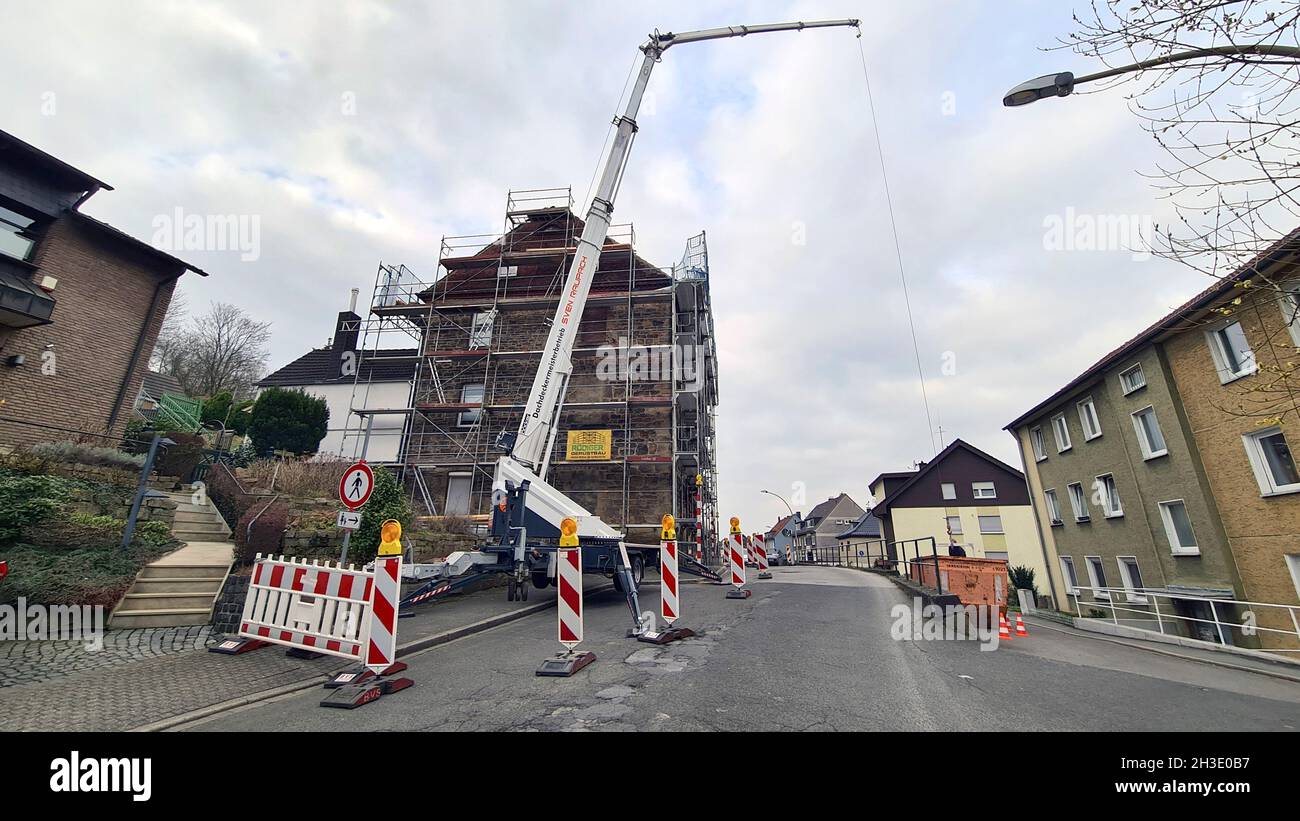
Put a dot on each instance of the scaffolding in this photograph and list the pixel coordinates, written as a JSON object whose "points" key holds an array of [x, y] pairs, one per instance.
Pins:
{"points": [[644, 368]]}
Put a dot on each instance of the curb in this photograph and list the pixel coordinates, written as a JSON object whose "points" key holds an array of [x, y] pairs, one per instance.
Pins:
{"points": [[1074, 631], [316, 680]]}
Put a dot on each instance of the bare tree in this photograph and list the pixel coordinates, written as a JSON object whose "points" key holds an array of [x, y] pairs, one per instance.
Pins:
{"points": [[1226, 124], [222, 350]]}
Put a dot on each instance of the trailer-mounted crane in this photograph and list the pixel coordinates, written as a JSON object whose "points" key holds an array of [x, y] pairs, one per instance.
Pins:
{"points": [[527, 511]]}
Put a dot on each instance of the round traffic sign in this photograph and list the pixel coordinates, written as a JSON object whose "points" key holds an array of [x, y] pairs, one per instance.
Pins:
{"points": [[355, 486]]}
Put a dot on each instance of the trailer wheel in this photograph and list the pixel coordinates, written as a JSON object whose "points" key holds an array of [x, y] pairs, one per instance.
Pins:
{"points": [[510, 589], [638, 573], [523, 591]]}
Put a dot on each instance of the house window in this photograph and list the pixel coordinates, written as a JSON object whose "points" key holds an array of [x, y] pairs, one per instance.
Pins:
{"points": [[1097, 576], [1078, 502], [954, 525], [1132, 578], [990, 524], [470, 395], [984, 490], [1231, 351], [1178, 528], [1053, 506], [1293, 565], [1062, 433], [1271, 459], [1132, 379], [1071, 578], [1039, 443], [480, 335], [1291, 308], [1088, 419], [1148, 433], [949, 490], [1109, 496], [17, 237], [508, 271]]}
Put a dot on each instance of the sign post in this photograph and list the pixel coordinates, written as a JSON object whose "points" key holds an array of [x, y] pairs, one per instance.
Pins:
{"points": [[568, 589], [737, 552], [354, 491], [669, 587]]}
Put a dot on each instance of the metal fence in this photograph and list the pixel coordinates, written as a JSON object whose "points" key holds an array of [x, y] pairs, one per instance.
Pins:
{"points": [[1229, 620], [910, 558]]}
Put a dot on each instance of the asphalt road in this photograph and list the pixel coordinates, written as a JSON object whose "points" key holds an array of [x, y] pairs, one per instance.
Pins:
{"points": [[811, 650]]}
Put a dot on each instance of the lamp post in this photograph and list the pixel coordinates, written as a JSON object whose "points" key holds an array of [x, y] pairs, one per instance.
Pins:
{"points": [[792, 516], [1062, 84]]}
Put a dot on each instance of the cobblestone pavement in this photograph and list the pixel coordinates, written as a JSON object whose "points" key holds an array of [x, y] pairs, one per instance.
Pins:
{"points": [[145, 676], [31, 662]]}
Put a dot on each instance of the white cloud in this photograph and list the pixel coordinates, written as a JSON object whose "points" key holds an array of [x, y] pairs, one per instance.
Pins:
{"points": [[240, 108]]}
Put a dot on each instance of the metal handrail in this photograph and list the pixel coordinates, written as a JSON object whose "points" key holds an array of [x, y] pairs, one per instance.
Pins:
{"points": [[1150, 605]]}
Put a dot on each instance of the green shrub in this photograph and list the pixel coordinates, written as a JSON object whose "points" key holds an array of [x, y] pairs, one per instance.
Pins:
{"points": [[288, 420], [224, 408], [26, 500], [386, 502], [79, 454], [1022, 578]]}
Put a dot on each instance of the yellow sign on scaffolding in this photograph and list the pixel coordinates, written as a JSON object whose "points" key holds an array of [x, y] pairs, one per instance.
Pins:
{"points": [[589, 445]]}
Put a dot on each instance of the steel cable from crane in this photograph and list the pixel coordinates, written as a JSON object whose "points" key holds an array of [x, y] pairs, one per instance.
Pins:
{"points": [[898, 252]]}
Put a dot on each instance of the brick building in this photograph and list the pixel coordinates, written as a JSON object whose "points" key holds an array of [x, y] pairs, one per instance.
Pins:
{"points": [[81, 304], [638, 419]]}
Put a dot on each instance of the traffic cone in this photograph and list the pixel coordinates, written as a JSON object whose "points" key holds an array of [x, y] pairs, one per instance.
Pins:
{"points": [[1004, 632], [1021, 632]]}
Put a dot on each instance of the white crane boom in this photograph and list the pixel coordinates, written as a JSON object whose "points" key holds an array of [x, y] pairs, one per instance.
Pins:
{"points": [[533, 442]]}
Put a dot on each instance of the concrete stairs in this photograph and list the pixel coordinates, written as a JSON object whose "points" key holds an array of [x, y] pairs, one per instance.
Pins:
{"points": [[181, 588]]}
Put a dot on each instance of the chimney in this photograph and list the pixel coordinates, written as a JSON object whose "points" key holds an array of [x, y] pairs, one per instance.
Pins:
{"points": [[346, 339]]}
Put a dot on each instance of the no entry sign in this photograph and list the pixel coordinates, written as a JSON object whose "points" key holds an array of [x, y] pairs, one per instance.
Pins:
{"points": [[355, 486]]}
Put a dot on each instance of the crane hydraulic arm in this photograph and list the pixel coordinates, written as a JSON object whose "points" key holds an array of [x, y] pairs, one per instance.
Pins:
{"points": [[531, 446]]}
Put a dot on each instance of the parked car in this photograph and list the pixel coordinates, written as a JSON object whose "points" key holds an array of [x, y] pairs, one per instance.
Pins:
{"points": [[775, 557]]}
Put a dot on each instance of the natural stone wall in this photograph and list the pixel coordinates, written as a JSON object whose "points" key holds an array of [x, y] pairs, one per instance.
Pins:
{"points": [[230, 605], [115, 501]]}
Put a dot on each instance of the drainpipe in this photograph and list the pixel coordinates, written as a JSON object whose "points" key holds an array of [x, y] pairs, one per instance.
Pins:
{"points": [[139, 347]]}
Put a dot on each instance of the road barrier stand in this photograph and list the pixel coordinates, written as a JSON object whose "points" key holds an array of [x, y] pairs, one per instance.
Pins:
{"points": [[760, 550], [568, 593], [669, 588], [737, 554], [1004, 632], [377, 677], [1021, 632]]}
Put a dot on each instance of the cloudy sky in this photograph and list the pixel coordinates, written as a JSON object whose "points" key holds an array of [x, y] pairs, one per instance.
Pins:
{"points": [[365, 131]]}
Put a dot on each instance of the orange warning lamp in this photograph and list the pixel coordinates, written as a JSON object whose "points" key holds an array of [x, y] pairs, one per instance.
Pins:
{"points": [[735, 525], [569, 532], [699, 479], [669, 525], [390, 538]]}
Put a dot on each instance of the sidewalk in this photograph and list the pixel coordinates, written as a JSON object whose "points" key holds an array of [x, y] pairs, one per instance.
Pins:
{"points": [[1276, 669], [124, 686]]}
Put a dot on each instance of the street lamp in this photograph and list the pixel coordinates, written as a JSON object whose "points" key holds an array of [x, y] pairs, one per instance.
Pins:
{"points": [[1063, 83], [787, 507]]}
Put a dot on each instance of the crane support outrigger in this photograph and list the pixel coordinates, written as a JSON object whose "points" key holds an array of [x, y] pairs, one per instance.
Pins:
{"points": [[527, 511]]}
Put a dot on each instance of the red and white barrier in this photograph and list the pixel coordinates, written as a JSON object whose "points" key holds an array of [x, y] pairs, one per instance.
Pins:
{"points": [[382, 650], [324, 608], [668, 581], [760, 550], [568, 581], [699, 518], [738, 560]]}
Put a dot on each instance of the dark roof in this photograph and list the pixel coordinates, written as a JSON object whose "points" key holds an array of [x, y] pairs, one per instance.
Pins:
{"points": [[33, 156], [156, 384], [1280, 251], [822, 510], [779, 526], [139, 245], [902, 474], [321, 367], [882, 507], [866, 525]]}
